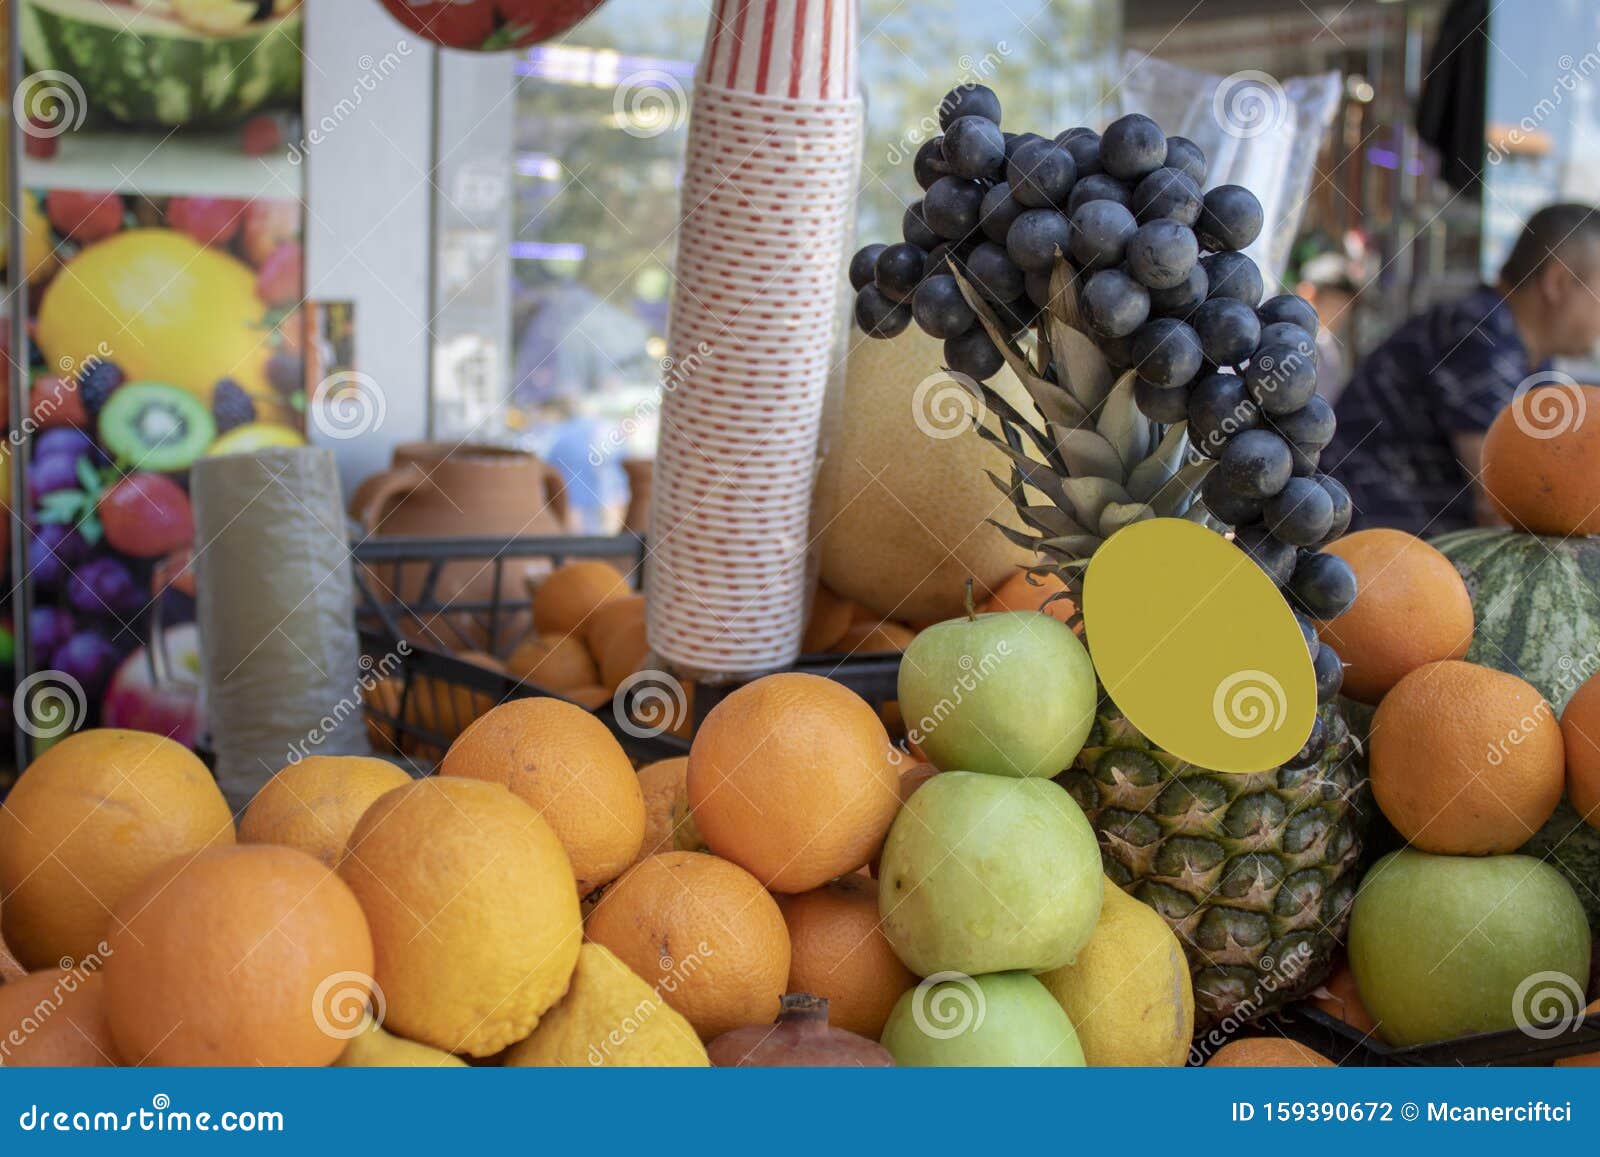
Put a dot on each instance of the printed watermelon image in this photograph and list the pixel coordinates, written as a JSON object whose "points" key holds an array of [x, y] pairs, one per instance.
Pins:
{"points": [[206, 63]]}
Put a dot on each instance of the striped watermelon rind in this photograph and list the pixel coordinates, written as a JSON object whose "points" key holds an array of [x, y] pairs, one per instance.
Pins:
{"points": [[147, 70], [1536, 606]]}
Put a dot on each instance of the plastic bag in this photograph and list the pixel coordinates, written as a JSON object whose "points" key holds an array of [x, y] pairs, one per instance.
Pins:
{"points": [[1256, 131]]}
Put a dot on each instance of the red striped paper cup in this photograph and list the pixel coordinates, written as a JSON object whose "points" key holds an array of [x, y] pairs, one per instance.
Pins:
{"points": [[794, 49]]}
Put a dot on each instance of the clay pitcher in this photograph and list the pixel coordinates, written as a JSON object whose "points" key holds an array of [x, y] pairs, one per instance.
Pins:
{"points": [[451, 490]]}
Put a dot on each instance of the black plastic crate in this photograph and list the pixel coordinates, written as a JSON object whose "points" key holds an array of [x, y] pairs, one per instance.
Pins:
{"points": [[1510, 1047], [411, 589], [416, 614]]}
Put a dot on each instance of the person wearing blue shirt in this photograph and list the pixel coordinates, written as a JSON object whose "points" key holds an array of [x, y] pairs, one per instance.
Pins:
{"points": [[1412, 420]]}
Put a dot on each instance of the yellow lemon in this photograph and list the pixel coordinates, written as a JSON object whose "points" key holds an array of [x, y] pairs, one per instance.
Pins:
{"points": [[608, 1017], [1128, 994]]}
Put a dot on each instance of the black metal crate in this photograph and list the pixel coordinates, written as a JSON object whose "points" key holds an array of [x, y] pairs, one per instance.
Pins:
{"points": [[416, 616]]}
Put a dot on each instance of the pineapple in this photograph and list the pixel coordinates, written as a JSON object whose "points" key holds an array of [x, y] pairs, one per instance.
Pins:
{"points": [[1256, 872]]}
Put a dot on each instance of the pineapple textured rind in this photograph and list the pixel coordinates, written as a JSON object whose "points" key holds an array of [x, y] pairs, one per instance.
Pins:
{"points": [[1255, 873]]}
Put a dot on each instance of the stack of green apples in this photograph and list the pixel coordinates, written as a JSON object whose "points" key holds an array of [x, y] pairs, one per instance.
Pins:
{"points": [[990, 882]]}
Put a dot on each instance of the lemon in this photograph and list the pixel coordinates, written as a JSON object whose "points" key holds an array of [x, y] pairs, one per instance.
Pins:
{"points": [[1128, 993], [376, 1049], [610, 1017], [162, 307], [253, 436]]}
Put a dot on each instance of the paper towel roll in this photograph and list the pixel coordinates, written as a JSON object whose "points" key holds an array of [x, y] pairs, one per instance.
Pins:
{"points": [[278, 645]]}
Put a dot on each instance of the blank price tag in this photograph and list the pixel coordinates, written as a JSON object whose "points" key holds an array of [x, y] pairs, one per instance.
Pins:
{"points": [[1197, 647]]}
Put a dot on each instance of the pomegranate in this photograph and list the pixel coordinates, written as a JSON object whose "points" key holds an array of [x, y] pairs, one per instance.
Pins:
{"points": [[800, 1038]]}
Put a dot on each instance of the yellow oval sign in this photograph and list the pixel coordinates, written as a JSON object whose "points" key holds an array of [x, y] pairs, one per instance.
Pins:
{"points": [[1197, 647]]}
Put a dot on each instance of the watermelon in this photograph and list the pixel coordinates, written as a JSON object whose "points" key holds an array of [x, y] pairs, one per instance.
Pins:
{"points": [[1536, 606], [138, 67]]}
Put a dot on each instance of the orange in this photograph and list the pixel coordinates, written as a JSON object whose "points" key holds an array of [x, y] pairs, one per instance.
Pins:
{"points": [[627, 649], [10, 967], [473, 911], [1024, 592], [1582, 1060], [445, 707], [829, 620], [790, 777], [55, 1018], [1464, 760], [838, 951], [875, 638], [554, 662], [1411, 608], [253, 955], [913, 774], [1541, 460], [1267, 1052], [608, 618], [703, 933], [564, 601], [1339, 999], [313, 805], [668, 825], [382, 700], [592, 697], [86, 822], [570, 768], [1580, 732]]}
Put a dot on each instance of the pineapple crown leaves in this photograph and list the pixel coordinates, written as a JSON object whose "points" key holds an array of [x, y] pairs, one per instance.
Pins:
{"points": [[1098, 460]]}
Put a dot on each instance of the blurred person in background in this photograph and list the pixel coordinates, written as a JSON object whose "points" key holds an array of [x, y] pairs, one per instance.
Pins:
{"points": [[1326, 282], [1412, 419]]}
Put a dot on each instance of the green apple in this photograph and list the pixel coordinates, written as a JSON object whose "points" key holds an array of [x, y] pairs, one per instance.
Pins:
{"points": [[1011, 693], [982, 873], [1003, 1019], [1445, 946]]}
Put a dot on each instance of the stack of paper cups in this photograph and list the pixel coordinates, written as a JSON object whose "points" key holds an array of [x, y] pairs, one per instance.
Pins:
{"points": [[773, 164]]}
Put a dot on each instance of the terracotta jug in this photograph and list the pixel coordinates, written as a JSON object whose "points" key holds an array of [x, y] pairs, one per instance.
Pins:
{"points": [[452, 490]]}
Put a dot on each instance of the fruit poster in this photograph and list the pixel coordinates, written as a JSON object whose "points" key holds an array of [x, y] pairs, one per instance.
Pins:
{"points": [[164, 281], [164, 330]]}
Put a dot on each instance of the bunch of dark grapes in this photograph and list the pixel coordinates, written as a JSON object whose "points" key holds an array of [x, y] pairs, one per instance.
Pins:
{"points": [[1165, 290]]}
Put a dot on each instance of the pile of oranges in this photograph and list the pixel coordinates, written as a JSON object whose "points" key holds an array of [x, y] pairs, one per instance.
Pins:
{"points": [[449, 915], [588, 636], [1464, 759]]}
